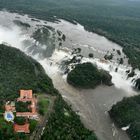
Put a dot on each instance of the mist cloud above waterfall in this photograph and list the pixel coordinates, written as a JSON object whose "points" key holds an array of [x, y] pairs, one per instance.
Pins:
{"points": [[12, 36], [15, 36]]}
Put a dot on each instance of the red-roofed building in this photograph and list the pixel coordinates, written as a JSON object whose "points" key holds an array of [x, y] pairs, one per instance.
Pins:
{"points": [[25, 95], [27, 114], [22, 128]]}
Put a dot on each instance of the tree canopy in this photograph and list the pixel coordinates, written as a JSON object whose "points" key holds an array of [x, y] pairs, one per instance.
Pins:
{"points": [[127, 113], [87, 75]]}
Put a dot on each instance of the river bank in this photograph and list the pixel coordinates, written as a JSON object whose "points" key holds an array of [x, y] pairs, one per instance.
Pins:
{"points": [[91, 105]]}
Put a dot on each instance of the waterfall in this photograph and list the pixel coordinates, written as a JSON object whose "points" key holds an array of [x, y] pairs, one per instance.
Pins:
{"points": [[21, 39]]}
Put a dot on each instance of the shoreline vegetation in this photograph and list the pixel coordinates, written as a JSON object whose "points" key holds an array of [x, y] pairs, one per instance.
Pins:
{"points": [[65, 124], [112, 19], [87, 75], [126, 113], [18, 71]]}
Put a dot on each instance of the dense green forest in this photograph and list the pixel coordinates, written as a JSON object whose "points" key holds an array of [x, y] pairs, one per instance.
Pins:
{"points": [[87, 75], [127, 113], [118, 20], [19, 71]]}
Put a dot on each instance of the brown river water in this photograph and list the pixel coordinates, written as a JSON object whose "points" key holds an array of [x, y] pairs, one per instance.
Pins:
{"points": [[92, 105]]}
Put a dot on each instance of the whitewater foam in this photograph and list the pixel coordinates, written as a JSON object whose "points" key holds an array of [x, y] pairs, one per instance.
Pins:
{"points": [[15, 36]]}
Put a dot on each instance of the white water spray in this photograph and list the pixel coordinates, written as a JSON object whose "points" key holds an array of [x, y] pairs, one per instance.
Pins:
{"points": [[15, 36]]}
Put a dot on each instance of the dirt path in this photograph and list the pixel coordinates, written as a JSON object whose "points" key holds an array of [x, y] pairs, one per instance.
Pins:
{"points": [[41, 125]]}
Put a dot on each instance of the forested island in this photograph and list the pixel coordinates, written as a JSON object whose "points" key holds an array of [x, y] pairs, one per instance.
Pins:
{"points": [[19, 71], [87, 75], [117, 20], [127, 114]]}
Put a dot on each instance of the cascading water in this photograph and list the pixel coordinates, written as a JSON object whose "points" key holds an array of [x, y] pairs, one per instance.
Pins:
{"points": [[96, 102], [23, 39]]}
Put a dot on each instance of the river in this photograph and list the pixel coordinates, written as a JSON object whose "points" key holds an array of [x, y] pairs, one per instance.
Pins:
{"points": [[91, 105]]}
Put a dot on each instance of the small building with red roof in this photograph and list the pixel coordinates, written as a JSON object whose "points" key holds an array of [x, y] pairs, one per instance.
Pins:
{"points": [[25, 95], [22, 128]]}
